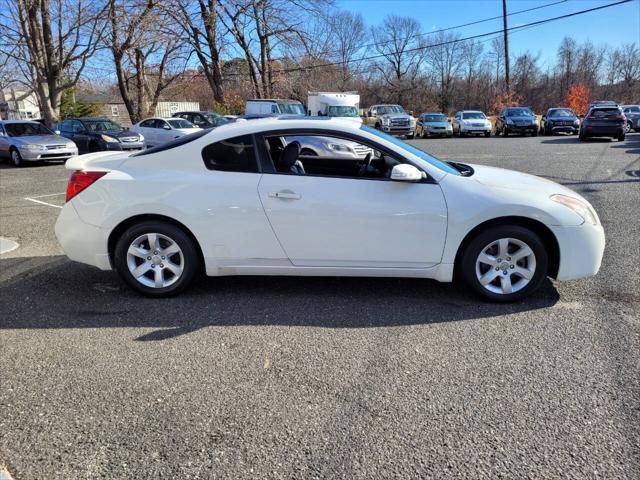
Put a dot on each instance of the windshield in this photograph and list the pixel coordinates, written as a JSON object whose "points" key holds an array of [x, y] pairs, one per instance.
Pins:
{"points": [[102, 126], [435, 118], [342, 111], [518, 112], [215, 119], [180, 123], [473, 116], [291, 108], [384, 109], [409, 148], [561, 112], [25, 129]]}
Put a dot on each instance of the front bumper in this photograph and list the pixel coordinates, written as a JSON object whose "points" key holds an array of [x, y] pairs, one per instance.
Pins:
{"points": [[531, 128], [82, 242], [581, 250], [124, 146], [475, 129], [393, 130], [55, 154], [562, 128]]}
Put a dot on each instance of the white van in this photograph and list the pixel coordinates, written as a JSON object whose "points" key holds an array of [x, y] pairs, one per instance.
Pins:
{"points": [[269, 106]]}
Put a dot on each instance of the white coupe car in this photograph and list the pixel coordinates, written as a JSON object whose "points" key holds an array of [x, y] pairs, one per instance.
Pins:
{"points": [[240, 200]]}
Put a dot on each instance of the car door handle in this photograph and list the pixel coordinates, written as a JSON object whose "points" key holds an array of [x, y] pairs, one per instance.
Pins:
{"points": [[285, 195]]}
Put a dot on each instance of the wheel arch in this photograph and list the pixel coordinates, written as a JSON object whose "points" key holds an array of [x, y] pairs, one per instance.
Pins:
{"points": [[546, 235], [117, 232]]}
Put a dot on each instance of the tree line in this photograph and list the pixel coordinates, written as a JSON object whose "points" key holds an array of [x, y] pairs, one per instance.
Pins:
{"points": [[220, 52]]}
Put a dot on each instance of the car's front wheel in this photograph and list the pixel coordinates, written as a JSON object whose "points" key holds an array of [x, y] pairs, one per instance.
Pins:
{"points": [[157, 259], [504, 263], [16, 158]]}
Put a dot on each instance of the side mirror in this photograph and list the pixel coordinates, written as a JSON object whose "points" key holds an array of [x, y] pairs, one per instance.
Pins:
{"points": [[406, 173]]}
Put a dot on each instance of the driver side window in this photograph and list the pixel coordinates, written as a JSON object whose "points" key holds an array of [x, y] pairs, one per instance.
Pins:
{"points": [[327, 156]]}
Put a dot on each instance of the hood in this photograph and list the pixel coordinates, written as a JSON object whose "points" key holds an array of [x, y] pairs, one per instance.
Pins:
{"points": [[122, 134], [437, 124], [396, 115], [188, 130], [510, 179], [40, 140], [562, 119], [521, 118]]}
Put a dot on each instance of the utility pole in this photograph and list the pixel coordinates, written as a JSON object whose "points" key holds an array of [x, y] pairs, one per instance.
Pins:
{"points": [[506, 45]]}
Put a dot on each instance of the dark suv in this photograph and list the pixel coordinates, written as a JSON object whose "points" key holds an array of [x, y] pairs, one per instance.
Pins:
{"points": [[93, 134], [517, 120], [559, 120], [603, 120], [203, 119]]}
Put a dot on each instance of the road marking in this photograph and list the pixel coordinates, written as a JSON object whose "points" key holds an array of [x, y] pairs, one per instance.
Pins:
{"points": [[7, 245], [41, 202], [48, 195]]}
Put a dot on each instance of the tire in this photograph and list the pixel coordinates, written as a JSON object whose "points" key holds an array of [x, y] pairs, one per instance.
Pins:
{"points": [[629, 127], [94, 147], [534, 134], [487, 134], [471, 268], [621, 138], [168, 237], [410, 137], [16, 158]]}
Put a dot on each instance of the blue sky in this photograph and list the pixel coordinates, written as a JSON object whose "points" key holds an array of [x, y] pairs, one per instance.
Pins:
{"points": [[611, 26]]}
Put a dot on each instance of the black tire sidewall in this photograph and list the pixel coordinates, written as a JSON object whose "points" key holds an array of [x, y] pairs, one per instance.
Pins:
{"points": [[20, 161], [467, 264], [192, 262]]}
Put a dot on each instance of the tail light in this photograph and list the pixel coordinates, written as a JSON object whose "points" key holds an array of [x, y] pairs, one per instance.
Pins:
{"points": [[80, 180]]}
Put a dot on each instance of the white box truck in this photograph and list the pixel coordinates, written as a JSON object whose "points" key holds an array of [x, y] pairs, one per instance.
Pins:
{"points": [[334, 104]]}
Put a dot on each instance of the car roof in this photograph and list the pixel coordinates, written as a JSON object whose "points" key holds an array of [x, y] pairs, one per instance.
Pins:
{"points": [[87, 119], [432, 113], [471, 111], [196, 111], [9, 122]]}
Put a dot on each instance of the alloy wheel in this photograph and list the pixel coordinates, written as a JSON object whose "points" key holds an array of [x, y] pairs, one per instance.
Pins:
{"points": [[15, 158], [155, 260], [505, 266]]}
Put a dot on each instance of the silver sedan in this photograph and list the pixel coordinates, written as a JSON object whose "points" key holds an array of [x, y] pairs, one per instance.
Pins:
{"points": [[27, 141]]}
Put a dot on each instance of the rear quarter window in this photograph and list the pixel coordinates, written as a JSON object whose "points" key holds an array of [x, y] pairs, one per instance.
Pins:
{"points": [[235, 154]]}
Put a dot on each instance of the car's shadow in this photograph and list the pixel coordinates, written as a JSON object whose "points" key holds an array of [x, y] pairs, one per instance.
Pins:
{"points": [[69, 295]]}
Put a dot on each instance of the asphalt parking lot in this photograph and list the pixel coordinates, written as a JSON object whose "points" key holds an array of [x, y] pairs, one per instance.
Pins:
{"points": [[324, 377]]}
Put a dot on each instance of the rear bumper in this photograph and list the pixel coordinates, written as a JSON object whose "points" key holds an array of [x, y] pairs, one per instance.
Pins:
{"points": [[603, 131], [581, 250], [80, 241]]}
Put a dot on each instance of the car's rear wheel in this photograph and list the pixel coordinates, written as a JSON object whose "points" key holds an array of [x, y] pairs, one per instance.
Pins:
{"points": [[157, 259], [621, 138], [505, 263], [16, 158]]}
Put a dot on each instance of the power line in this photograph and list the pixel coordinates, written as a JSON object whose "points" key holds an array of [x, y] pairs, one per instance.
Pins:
{"points": [[455, 27], [424, 47]]}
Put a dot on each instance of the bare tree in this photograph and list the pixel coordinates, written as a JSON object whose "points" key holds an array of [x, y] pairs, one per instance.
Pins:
{"points": [[147, 58], [55, 39], [346, 34], [398, 40], [445, 58], [200, 25], [471, 58]]}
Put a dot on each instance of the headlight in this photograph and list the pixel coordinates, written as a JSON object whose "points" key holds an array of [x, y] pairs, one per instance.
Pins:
{"points": [[412, 122], [578, 206], [385, 121], [108, 139], [33, 146], [338, 147], [70, 145], [140, 137], [509, 120], [576, 122]]}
